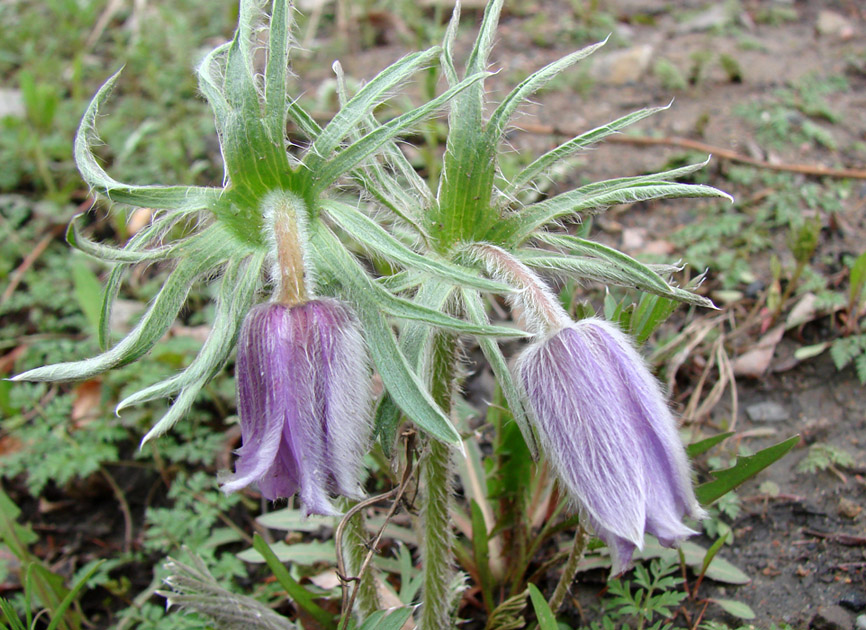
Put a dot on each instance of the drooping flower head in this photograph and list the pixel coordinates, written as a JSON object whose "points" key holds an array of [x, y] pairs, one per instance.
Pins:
{"points": [[304, 402], [609, 435], [303, 381]]}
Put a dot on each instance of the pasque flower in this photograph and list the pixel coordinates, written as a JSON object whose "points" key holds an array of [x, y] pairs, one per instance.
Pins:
{"points": [[304, 402], [609, 435]]}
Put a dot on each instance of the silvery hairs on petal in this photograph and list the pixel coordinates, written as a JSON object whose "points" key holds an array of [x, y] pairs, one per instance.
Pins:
{"points": [[607, 430]]}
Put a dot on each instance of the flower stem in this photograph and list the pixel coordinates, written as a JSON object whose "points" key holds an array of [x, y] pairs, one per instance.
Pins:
{"points": [[436, 482], [355, 545], [570, 569]]}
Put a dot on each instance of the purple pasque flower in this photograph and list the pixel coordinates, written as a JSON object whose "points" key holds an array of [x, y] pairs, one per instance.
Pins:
{"points": [[609, 435], [304, 401]]}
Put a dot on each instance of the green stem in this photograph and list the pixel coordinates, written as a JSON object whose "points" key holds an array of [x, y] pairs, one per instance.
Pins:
{"points": [[569, 570], [436, 482], [355, 546]]}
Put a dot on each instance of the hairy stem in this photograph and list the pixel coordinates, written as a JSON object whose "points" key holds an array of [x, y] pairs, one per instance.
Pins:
{"points": [[570, 569], [436, 483], [355, 545]]}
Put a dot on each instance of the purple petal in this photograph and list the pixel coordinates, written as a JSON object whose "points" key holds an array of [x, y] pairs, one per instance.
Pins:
{"points": [[608, 432], [592, 445], [304, 401], [262, 372], [344, 386]]}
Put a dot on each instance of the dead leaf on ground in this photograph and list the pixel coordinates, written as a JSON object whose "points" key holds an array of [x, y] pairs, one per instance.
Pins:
{"points": [[7, 361], [87, 401], [755, 362]]}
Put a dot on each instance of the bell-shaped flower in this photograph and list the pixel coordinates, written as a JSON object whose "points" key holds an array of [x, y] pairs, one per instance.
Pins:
{"points": [[304, 400], [608, 432]]}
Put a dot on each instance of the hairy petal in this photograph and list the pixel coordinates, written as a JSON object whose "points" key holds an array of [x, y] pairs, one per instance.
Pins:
{"points": [[344, 387], [262, 380], [610, 436], [304, 401], [592, 446]]}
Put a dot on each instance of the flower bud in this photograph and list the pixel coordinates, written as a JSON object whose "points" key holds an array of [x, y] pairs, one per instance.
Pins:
{"points": [[304, 401], [609, 435]]}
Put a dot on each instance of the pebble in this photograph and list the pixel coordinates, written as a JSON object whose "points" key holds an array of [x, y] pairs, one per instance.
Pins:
{"points": [[860, 624], [11, 103], [623, 66], [715, 17], [831, 618], [849, 508], [832, 24], [767, 411], [854, 601]]}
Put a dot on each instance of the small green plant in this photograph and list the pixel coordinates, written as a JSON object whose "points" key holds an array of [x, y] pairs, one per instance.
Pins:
{"points": [[793, 116], [669, 75], [653, 594], [823, 457]]}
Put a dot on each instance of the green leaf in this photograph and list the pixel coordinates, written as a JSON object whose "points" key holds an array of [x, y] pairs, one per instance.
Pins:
{"points": [[129, 255], [584, 140], [16, 537], [136, 244], [388, 620], [480, 547], [623, 261], [546, 618], [740, 610], [237, 290], [486, 35], [651, 311], [188, 198], [109, 294], [255, 163], [809, 352], [212, 248], [292, 519], [348, 158], [702, 446], [210, 80], [530, 85], [366, 231], [466, 182], [712, 551], [57, 613], [357, 108], [719, 570], [858, 277], [745, 468], [11, 616], [446, 59], [88, 292], [335, 262], [299, 595], [499, 365], [385, 422], [404, 386], [609, 273], [279, 45], [524, 223], [305, 554]]}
